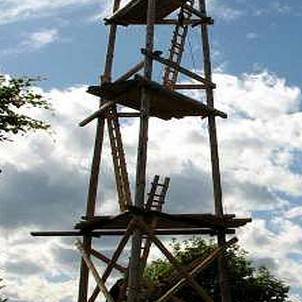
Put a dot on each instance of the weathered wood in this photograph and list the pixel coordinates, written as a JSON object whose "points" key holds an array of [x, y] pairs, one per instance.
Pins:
{"points": [[135, 274], [189, 86], [119, 160], [112, 232], [114, 259], [131, 72], [155, 56], [100, 283], [223, 276], [103, 108], [165, 221], [164, 104], [95, 168], [206, 20], [202, 265], [136, 11], [128, 114], [201, 292], [107, 260]]}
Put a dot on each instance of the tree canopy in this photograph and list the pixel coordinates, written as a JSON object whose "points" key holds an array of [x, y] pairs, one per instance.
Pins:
{"points": [[247, 282], [17, 94]]}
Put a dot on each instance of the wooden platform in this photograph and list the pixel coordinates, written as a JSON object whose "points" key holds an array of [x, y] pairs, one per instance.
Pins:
{"points": [[136, 10], [165, 104], [164, 221]]}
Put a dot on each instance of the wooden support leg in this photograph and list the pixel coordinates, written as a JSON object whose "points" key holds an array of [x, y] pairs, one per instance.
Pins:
{"points": [[115, 257], [100, 283], [91, 201], [202, 293]]}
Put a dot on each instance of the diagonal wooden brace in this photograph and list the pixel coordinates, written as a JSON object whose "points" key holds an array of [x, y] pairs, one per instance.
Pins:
{"points": [[115, 257], [105, 259], [201, 292], [104, 107], [196, 269], [100, 283]]}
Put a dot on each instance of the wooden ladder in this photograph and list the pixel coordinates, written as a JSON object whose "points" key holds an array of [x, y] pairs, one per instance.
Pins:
{"points": [[155, 202], [119, 161], [177, 44]]}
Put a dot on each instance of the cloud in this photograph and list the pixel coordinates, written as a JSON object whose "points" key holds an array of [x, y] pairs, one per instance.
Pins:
{"points": [[15, 11], [41, 38], [44, 180]]}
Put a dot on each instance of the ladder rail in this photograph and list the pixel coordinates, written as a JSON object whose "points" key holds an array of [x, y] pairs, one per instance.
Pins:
{"points": [[177, 44], [119, 161]]}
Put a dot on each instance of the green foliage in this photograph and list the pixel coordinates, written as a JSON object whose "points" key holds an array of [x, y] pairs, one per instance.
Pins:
{"points": [[1, 286], [248, 284], [17, 94]]}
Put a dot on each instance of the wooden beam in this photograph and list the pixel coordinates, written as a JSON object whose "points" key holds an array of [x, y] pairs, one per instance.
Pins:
{"points": [[128, 114], [201, 292], [105, 259], [155, 56], [223, 274], [159, 232], [114, 259], [103, 108], [135, 273], [100, 283], [189, 86], [131, 72], [203, 264]]}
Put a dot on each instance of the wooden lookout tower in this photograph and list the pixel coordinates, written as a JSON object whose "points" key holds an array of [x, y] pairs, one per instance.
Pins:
{"points": [[141, 220]]}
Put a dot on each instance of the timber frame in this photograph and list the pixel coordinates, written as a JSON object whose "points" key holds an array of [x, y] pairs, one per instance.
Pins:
{"points": [[141, 221]]}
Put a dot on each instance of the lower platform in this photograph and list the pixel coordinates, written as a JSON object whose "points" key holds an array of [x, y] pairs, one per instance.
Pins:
{"points": [[164, 104], [166, 224], [163, 221]]}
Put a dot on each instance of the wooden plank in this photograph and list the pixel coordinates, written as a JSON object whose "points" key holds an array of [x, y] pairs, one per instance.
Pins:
{"points": [[113, 232], [202, 265], [100, 283], [201, 292], [136, 11]]}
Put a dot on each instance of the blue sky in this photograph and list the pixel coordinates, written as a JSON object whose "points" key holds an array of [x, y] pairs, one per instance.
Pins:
{"points": [[256, 48]]}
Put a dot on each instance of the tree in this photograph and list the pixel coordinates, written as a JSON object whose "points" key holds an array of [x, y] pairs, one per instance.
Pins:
{"points": [[248, 284], [17, 94], [1, 286]]}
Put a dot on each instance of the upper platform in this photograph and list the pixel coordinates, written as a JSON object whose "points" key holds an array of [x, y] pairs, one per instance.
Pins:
{"points": [[135, 12], [164, 103]]}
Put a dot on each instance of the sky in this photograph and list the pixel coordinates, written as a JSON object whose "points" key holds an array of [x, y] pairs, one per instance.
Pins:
{"points": [[256, 47]]}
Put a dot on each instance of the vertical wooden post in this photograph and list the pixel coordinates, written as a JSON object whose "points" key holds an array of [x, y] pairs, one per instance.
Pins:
{"points": [[95, 167], [223, 281], [134, 265]]}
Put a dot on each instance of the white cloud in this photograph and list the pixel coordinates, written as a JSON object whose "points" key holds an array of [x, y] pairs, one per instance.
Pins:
{"points": [[41, 38], [13, 10], [257, 146]]}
